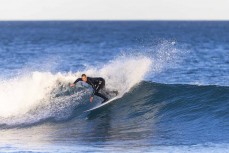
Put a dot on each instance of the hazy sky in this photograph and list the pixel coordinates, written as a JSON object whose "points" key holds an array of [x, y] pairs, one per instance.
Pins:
{"points": [[114, 9]]}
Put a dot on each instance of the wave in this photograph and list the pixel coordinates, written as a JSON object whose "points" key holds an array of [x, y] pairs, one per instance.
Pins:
{"points": [[35, 96], [149, 99], [39, 96]]}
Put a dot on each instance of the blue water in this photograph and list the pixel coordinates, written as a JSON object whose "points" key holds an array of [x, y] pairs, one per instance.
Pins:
{"points": [[173, 80]]}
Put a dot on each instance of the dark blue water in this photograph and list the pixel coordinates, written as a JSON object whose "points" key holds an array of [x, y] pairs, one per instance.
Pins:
{"points": [[173, 80]]}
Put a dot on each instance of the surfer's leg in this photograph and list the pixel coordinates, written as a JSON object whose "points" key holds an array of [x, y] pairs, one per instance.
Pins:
{"points": [[98, 88], [102, 96]]}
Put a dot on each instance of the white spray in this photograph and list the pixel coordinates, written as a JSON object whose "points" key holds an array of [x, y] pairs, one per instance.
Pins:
{"points": [[20, 96]]}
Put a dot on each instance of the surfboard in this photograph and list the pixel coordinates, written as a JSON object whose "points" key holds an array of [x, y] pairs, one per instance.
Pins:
{"points": [[101, 105]]}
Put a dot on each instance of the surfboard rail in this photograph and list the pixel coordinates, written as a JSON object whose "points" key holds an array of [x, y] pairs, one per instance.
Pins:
{"points": [[103, 104]]}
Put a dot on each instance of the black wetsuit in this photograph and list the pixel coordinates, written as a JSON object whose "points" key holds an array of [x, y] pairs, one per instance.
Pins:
{"points": [[97, 84]]}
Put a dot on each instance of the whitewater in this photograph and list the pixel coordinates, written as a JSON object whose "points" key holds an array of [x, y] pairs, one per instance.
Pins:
{"points": [[35, 94]]}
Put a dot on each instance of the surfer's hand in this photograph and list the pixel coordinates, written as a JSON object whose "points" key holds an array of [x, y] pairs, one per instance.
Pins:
{"points": [[72, 85], [91, 99]]}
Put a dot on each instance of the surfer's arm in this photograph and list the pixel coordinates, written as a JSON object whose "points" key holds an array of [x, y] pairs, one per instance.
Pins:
{"points": [[92, 95], [77, 80], [93, 92]]}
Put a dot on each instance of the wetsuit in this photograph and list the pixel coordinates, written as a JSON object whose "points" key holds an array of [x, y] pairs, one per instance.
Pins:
{"points": [[97, 84]]}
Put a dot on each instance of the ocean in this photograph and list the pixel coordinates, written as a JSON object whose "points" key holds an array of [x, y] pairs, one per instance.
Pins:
{"points": [[172, 78]]}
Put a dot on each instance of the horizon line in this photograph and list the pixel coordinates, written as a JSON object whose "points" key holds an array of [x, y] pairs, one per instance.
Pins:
{"points": [[118, 20]]}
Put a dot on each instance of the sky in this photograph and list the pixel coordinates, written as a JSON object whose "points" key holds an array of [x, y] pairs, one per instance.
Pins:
{"points": [[114, 9]]}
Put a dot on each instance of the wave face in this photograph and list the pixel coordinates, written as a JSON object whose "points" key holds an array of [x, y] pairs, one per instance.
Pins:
{"points": [[169, 114], [181, 113]]}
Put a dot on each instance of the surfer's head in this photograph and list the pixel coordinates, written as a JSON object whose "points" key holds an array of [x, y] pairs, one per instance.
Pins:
{"points": [[84, 77]]}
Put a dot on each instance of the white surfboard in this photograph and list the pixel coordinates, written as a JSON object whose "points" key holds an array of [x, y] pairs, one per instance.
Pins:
{"points": [[101, 105]]}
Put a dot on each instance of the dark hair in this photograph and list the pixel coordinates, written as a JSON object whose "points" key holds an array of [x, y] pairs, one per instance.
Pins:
{"points": [[83, 75]]}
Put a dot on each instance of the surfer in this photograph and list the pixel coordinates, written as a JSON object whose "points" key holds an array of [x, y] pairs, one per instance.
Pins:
{"points": [[96, 83]]}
